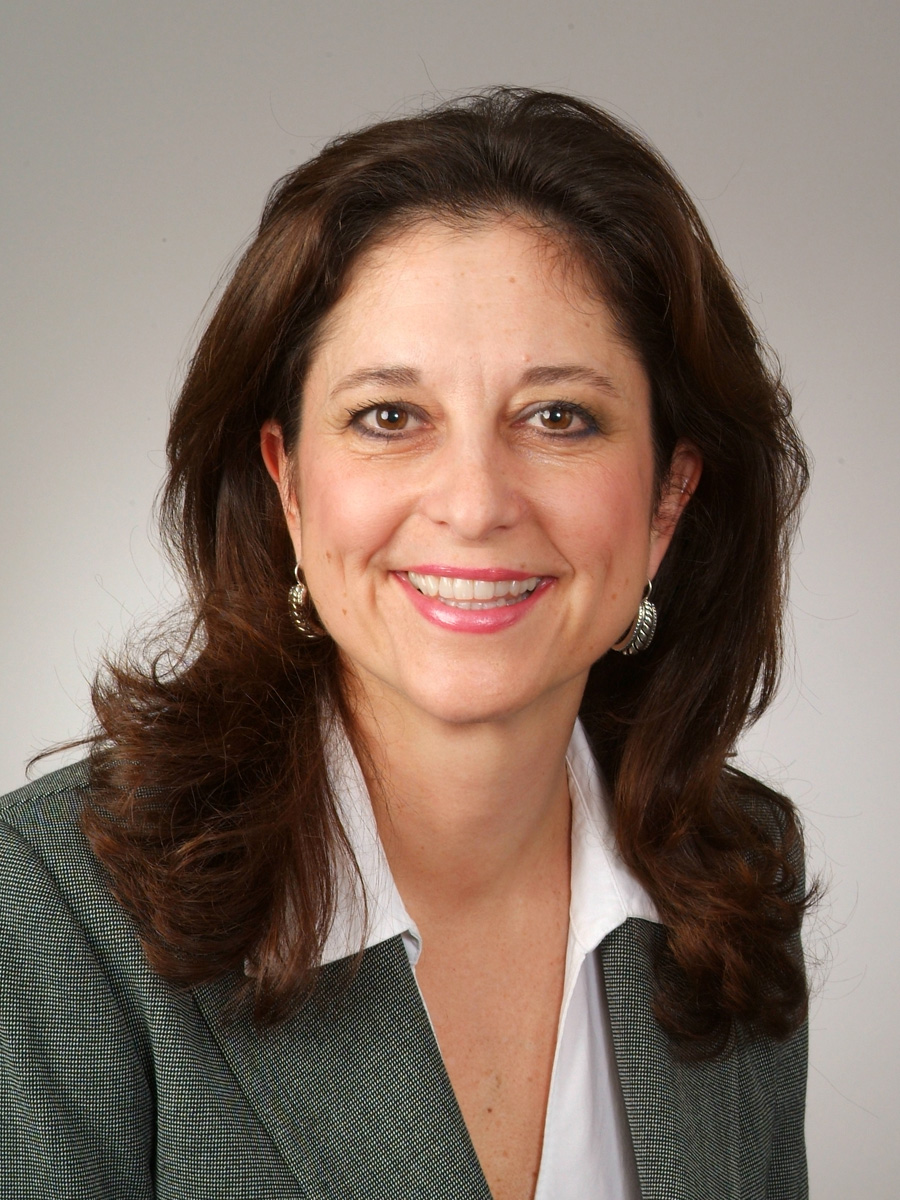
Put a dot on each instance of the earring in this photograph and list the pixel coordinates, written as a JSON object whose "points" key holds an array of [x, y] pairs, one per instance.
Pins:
{"points": [[302, 609], [639, 635]]}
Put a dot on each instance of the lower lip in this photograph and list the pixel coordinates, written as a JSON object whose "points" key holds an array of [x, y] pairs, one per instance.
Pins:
{"points": [[472, 620]]}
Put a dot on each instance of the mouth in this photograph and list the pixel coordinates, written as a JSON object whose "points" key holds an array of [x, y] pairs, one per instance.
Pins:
{"points": [[473, 594]]}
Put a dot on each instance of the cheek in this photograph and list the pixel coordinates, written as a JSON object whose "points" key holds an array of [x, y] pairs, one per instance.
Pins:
{"points": [[607, 523], [346, 516]]}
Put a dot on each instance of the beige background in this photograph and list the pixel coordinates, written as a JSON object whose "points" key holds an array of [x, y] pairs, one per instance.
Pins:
{"points": [[138, 143]]}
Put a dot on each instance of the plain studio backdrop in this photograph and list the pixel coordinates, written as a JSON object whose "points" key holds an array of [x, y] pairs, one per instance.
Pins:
{"points": [[139, 144]]}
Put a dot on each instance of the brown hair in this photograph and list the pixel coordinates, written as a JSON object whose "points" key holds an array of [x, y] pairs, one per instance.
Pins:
{"points": [[212, 811]]}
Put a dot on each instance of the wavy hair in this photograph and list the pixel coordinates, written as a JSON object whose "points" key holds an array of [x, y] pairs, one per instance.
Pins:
{"points": [[211, 806]]}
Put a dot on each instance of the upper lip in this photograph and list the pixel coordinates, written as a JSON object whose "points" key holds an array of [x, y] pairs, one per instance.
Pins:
{"points": [[489, 574]]}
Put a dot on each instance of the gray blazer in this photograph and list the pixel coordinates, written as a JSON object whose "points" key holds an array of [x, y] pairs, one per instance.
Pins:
{"points": [[116, 1086]]}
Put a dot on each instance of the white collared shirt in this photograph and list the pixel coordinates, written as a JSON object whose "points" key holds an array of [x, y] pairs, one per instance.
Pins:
{"points": [[587, 1147]]}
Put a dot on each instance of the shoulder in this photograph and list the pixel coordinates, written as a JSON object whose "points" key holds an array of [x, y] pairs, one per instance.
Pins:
{"points": [[55, 901], [775, 824], [44, 819], [48, 808], [769, 809], [40, 830]]}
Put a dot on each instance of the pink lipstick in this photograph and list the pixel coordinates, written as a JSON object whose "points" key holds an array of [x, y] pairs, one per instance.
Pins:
{"points": [[472, 600]]}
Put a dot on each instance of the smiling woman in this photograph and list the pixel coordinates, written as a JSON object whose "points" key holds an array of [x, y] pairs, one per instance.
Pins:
{"points": [[473, 421], [392, 877]]}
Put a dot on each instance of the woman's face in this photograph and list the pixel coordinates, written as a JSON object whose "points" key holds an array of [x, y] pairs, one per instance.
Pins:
{"points": [[471, 495]]}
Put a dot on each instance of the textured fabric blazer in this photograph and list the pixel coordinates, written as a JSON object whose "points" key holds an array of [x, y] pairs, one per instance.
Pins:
{"points": [[116, 1086]]}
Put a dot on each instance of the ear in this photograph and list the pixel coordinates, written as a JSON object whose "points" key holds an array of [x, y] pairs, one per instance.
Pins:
{"points": [[280, 467], [678, 487]]}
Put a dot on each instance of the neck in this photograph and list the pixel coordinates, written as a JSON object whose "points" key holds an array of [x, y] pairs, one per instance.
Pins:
{"points": [[469, 814]]}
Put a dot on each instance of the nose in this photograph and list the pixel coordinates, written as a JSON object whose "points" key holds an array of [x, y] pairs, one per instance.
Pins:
{"points": [[473, 488]]}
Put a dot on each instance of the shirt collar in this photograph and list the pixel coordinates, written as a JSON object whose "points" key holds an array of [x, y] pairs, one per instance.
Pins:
{"points": [[369, 909], [604, 891]]}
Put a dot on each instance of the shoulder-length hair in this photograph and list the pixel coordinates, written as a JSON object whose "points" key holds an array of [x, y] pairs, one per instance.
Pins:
{"points": [[212, 811]]}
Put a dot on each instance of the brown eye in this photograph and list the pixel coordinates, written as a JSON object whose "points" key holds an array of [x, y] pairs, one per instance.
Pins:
{"points": [[556, 417], [391, 418]]}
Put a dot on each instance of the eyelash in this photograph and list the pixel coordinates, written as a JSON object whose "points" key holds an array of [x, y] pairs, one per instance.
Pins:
{"points": [[590, 425]]}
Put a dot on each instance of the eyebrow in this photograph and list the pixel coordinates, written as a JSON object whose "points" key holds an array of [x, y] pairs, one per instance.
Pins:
{"points": [[387, 376], [548, 376], [533, 377]]}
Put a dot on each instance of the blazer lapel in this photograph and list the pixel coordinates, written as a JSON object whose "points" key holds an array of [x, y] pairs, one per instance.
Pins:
{"points": [[352, 1087], [684, 1117]]}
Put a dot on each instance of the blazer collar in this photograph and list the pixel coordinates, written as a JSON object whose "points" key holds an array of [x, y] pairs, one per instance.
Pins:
{"points": [[352, 1087], [684, 1116], [353, 1091]]}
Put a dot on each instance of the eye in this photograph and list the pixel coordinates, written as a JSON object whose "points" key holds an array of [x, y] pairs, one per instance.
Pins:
{"points": [[389, 417], [556, 417], [384, 420], [562, 417]]}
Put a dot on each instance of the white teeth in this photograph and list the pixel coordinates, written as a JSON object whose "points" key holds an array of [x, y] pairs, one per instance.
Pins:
{"points": [[473, 593]]}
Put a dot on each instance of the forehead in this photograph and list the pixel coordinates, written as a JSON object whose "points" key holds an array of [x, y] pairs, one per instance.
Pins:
{"points": [[480, 284], [443, 249]]}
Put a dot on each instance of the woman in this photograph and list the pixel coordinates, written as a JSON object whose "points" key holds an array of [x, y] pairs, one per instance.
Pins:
{"points": [[418, 867]]}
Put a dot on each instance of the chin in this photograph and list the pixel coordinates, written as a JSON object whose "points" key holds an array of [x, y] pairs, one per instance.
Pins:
{"points": [[464, 710], [470, 700]]}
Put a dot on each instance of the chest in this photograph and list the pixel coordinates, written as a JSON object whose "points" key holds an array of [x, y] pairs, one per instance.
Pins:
{"points": [[495, 1010]]}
